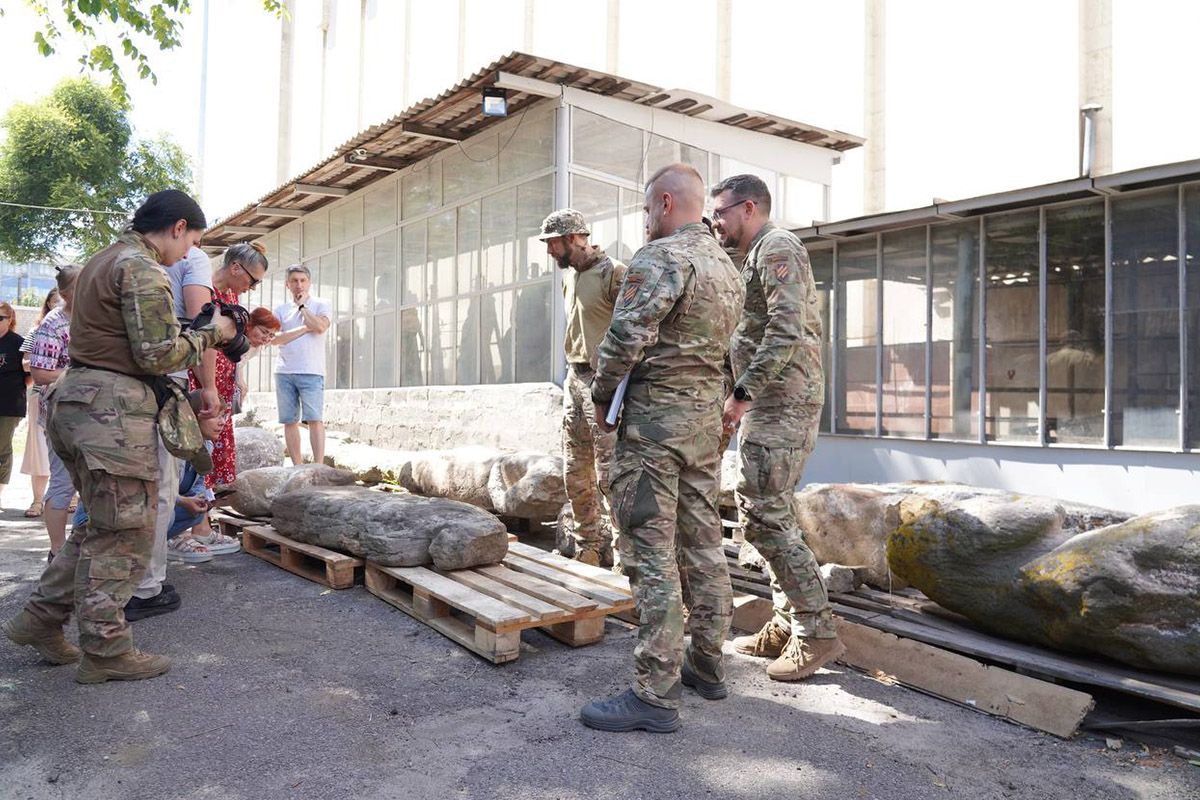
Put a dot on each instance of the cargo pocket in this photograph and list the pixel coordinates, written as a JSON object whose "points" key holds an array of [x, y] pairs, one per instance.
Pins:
{"points": [[119, 503], [110, 568]]}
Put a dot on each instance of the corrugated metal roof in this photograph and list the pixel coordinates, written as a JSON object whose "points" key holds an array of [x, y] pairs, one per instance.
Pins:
{"points": [[457, 114]]}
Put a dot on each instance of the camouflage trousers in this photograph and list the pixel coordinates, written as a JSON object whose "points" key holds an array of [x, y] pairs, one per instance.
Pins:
{"points": [[587, 454], [764, 495], [97, 570], [666, 478]]}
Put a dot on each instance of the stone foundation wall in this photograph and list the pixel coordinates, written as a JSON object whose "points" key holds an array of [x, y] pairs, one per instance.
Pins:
{"points": [[522, 416]]}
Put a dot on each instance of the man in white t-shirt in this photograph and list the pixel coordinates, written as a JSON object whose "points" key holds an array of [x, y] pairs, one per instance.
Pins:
{"points": [[300, 371]]}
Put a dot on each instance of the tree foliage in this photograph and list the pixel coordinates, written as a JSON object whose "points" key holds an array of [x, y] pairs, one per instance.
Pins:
{"points": [[75, 149], [109, 31]]}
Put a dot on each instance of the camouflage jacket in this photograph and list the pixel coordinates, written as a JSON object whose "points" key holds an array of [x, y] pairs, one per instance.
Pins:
{"points": [[670, 329], [776, 349]]}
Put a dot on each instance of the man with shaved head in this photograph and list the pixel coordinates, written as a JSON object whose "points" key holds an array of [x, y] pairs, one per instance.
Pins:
{"points": [[670, 331]]}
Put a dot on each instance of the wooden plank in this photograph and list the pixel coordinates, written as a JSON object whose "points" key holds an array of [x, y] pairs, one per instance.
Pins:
{"points": [[543, 590], [492, 614], [537, 608], [577, 633], [330, 556], [1171, 690], [993, 690], [612, 580], [583, 586], [326, 567]]}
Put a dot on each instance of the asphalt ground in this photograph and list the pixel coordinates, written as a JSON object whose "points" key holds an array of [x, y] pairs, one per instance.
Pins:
{"points": [[281, 688]]}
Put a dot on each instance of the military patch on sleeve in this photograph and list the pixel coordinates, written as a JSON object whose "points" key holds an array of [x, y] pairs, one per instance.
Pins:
{"points": [[631, 287]]}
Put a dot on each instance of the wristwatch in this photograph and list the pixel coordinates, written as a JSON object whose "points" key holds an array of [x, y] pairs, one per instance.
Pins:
{"points": [[301, 308], [741, 395]]}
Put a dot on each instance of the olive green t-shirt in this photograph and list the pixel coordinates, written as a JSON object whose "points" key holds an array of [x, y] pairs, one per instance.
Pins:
{"points": [[589, 297]]}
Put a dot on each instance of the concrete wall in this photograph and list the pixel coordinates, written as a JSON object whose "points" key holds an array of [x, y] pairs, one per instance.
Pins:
{"points": [[523, 416], [1127, 480]]}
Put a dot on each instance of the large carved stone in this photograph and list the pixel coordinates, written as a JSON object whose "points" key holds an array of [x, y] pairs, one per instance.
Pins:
{"points": [[396, 530], [527, 485], [1130, 591], [257, 448], [255, 489], [461, 474]]}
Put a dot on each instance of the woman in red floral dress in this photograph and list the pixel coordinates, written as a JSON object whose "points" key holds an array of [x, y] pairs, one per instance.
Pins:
{"points": [[244, 267]]}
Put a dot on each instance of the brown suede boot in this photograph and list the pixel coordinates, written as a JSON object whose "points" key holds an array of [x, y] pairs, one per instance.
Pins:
{"points": [[50, 643], [802, 657], [132, 665], [767, 643]]}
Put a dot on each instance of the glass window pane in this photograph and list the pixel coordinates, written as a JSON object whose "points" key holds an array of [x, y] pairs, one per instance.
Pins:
{"points": [[1145, 317], [386, 270], [421, 189], [662, 151], [329, 282], [633, 225], [535, 200], [531, 324], [469, 168], [1011, 256], [363, 344], [345, 280], [803, 202], [598, 203], [385, 350], [412, 346], [858, 287], [955, 334], [379, 209], [731, 166], [345, 333], [443, 336], [289, 247], [442, 246], [529, 148], [364, 277], [412, 264], [606, 146], [500, 238], [316, 234], [1075, 324], [469, 310], [1192, 314], [904, 304], [468, 247], [495, 332], [822, 269], [346, 222]]}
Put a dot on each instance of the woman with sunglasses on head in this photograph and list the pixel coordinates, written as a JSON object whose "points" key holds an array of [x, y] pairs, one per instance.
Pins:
{"points": [[243, 268]]}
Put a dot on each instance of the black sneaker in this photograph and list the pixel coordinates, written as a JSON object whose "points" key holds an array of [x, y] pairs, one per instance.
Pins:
{"points": [[162, 603], [628, 712], [706, 689]]}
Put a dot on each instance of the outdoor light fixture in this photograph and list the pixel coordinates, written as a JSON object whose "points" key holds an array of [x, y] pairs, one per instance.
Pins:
{"points": [[495, 102]]}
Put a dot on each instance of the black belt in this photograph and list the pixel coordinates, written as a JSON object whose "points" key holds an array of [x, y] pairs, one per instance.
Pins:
{"points": [[154, 382]]}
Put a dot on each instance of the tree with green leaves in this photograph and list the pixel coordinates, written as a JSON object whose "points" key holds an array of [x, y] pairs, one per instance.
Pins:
{"points": [[75, 150], [107, 31]]}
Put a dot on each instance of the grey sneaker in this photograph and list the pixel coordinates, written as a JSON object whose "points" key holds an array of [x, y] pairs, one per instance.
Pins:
{"points": [[706, 689], [628, 712]]}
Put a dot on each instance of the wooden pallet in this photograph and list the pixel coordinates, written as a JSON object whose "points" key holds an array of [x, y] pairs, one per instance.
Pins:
{"points": [[326, 567], [233, 526], [486, 608]]}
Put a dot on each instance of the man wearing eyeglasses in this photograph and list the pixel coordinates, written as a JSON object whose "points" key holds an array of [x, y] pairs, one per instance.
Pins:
{"points": [[779, 388]]}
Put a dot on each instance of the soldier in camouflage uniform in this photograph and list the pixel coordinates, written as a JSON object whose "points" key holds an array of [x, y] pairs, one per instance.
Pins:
{"points": [[591, 282], [102, 423], [670, 333], [778, 392]]}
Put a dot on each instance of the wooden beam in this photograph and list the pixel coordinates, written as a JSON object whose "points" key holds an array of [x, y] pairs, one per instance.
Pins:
{"points": [[247, 230], [437, 134], [376, 162], [312, 188], [274, 211], [993, 690]]}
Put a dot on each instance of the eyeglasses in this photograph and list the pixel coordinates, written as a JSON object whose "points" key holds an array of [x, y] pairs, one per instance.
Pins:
{"points": [[718, 213], [253, 280]]}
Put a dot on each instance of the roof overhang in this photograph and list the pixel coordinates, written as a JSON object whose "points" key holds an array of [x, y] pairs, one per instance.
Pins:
{"points": [[435, 124]]}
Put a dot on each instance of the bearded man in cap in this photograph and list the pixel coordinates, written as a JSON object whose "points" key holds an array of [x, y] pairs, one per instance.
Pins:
{"points": [[591, 282]]}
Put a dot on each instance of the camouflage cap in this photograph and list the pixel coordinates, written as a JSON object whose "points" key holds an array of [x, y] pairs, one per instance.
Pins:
{"points": [[563, 222]]}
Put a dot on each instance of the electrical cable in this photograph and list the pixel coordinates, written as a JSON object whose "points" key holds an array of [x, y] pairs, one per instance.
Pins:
{"points": [[59, 208]]}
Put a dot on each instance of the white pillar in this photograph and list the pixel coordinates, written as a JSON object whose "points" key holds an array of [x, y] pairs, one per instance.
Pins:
{"points": [[874, 108], [724, 48], [614, 36], [283, 147], [201, 133], [407, 64], [528, 26], [462, 40], [1095, 75], [362, 61]]}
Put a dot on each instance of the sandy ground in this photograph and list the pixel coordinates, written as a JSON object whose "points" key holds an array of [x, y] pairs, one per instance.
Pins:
{"points": [[282, 689]]}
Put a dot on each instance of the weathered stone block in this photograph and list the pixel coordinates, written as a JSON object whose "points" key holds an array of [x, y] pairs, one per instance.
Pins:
{"points": [[527, 485], [255, 489], [257, 448]]}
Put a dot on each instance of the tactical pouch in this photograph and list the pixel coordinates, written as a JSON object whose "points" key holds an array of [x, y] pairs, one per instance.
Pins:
{"points": [[177, 425]]}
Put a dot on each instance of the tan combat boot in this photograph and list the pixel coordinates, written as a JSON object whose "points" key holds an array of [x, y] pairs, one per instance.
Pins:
{"points": [[132, 665], [803, 657], [590, 557], [767, 643], [25, 628]]}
